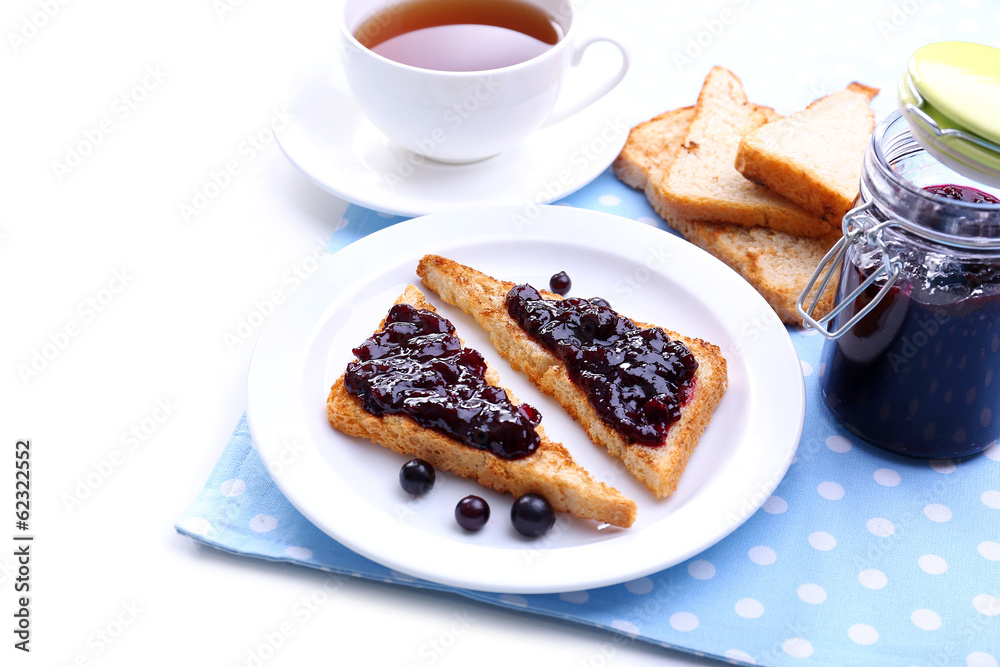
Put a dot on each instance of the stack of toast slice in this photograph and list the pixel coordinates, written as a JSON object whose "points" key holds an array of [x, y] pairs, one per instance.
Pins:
{"points": [[764, 194], [814, 157]]}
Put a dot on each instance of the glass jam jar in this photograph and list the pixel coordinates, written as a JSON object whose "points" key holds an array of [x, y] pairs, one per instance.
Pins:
{"points": [[912, 364]]}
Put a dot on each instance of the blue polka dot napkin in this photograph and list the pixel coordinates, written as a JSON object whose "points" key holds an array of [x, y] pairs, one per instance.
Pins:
{"points": [[859, 556]]}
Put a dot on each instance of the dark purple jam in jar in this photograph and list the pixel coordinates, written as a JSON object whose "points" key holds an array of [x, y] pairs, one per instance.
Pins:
{"points": [[919, 374], [962, 193], [416, 366], [636, 379], [916, 374]]}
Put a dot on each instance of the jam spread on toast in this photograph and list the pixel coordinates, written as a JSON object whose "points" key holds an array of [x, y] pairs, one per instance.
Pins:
{"points": [[416, 366], [636, 379]]}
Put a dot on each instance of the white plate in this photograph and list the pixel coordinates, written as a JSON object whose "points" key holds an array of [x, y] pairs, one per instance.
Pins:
{"points": [[349, 487], [331, 142]]}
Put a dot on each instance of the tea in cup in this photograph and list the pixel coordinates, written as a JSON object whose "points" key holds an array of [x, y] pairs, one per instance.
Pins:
{"points": [[463, 80]]}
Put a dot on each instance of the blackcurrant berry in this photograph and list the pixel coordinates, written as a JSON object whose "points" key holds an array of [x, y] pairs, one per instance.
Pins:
{"points": [[472, 513], [416, 477], [560, 283], [532, 515]]}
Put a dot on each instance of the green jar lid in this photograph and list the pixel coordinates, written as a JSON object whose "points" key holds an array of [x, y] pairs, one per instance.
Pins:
{"points": [[950, 95]]}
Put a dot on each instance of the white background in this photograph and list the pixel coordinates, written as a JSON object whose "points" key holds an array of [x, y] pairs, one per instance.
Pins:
{"points": [[200, 81]]}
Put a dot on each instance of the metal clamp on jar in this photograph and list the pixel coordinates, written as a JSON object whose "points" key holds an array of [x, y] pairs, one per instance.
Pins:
{"points": [[912, 363]]}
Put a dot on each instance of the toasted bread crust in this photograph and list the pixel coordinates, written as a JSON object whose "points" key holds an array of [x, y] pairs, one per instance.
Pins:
{"points": [[702, 182], [651, 145], [778, 265], [659, 468], [814, 157], [550, 471]]}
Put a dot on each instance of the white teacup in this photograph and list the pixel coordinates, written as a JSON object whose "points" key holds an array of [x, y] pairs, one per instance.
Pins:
{"points": [[456, 116]]}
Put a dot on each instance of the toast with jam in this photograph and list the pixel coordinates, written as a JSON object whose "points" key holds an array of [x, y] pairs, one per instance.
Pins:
{"points": [[417, 390], [643, 392]]}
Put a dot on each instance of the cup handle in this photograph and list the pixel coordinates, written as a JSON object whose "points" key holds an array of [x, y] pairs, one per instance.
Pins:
{"points": [[603, 89]]}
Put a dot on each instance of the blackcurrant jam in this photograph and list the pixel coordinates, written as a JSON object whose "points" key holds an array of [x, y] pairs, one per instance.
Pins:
{"points": [[636, 379], [918, 371], [962, 193], [916, 374], [416, 366]]}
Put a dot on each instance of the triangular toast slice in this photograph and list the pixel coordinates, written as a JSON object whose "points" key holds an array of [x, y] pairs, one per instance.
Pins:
{"points": [[659, 467], [777, 264], [814, 156], [702, 182], [651, 148], [549, 471]]}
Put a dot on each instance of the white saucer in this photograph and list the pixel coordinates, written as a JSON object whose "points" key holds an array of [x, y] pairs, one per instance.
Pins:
{"points": [[332, 143]]}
